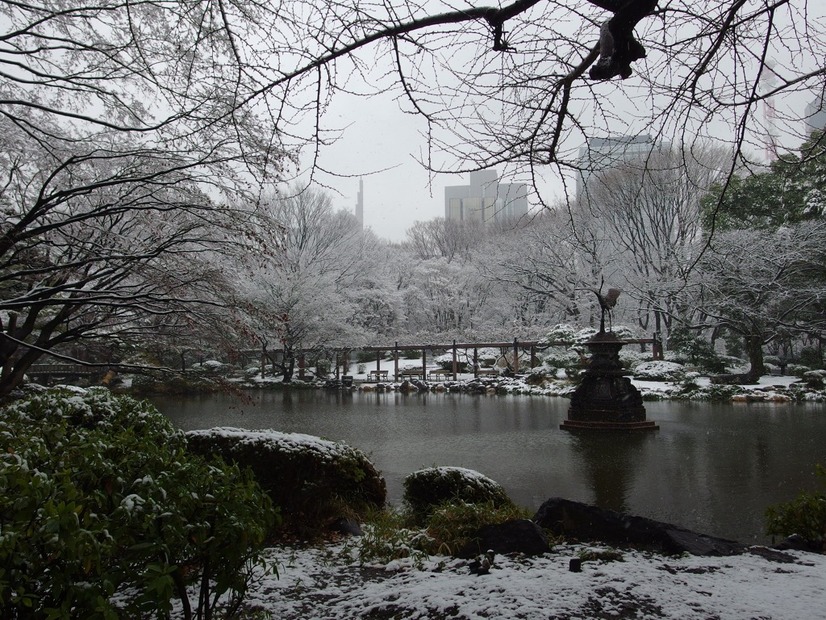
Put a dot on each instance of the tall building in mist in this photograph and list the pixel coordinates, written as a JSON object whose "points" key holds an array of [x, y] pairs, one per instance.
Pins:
{"points": [[601, 154], [816, 115], [485, 199], [360, 204]]}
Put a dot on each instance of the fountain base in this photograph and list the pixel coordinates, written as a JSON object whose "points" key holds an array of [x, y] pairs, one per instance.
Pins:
{"points": [[606, 400]]}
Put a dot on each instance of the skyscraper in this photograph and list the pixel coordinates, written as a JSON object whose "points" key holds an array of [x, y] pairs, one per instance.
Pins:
{"points": [[360, 204], [816, 114], [600, 154], [485, 199]]}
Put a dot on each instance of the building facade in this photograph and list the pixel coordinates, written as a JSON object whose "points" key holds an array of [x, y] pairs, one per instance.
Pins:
{"points": [[816, 115], [360, 204], [601, 154], [485, 199]]}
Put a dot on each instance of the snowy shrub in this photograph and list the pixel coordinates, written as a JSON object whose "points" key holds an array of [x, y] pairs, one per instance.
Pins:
{"points": [[561, 332], [623, 332], [696, 351], [718, 392], [560, 357], [631, 357], [815, 379], [426, 489], [101, 502], [487, 357], [445, 362], [452, 526], [311, 480], [805, 516], [797, 370], [690, 381], [659, 371], [386, 538]]}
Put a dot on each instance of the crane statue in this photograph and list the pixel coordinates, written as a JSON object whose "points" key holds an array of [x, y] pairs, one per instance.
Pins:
{"points": [[606, 304]]}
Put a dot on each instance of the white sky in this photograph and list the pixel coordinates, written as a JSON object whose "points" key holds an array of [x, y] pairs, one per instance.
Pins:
{"points": [[381, 144]]}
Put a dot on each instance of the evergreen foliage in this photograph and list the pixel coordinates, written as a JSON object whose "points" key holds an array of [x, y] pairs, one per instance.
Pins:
{"points": [[427, 489], [105, 514], [804, 516], [697, 350], [310, 479], [792, 190]]}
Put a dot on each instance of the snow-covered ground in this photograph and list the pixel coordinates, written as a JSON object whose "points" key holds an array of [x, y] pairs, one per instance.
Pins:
{"points": [[329, 582], [765, 381]]}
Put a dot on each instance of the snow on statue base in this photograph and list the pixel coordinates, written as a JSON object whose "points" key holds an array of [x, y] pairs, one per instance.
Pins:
{"points": [[606, 400]]}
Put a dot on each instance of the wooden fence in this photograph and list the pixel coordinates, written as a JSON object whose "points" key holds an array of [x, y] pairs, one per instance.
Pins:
{"points": [[517, 347]]}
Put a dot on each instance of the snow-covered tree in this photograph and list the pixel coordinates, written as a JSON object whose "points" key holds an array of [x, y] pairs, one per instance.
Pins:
{"points": [[122, 139], [537, 269], [763, 285], [105, 240], [644, 214], [792, 189], [300, 297], [447, 239]]}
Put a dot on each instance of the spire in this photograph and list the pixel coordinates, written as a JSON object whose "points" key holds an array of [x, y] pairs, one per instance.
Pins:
{"points": [[360, 204]]}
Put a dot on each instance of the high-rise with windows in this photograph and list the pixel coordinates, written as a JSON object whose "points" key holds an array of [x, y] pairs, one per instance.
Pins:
{"points": [[601, 154], [816, 114], [360, 204], [485, 199]]}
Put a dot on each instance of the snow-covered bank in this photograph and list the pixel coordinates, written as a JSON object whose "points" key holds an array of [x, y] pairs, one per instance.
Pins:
{"points": [[329, 583], [770, 388]]}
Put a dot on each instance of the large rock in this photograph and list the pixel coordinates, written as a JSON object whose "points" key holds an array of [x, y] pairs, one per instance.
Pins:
{"points": [[586, 522], [428, 488], [516, 536], [311, 480]]}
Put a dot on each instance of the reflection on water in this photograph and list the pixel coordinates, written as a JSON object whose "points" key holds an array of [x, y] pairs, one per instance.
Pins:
{"points": [[713, 468], [610, 464]]}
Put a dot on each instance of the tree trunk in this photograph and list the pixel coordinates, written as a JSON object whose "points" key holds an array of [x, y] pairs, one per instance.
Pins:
{"points": [[288, 365], [754, 348]]}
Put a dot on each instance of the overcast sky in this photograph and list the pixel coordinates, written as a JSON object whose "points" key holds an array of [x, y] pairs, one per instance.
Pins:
{"points": [[381, 144], [384, 141]]}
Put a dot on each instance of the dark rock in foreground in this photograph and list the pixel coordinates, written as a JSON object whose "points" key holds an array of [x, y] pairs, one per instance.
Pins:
{"points": [[586, 522], [516, 536]]}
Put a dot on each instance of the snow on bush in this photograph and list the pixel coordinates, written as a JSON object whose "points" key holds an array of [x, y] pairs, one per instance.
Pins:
{"points": [[815, 378], [310, 479], [426, 489], [103, 513], [560, 357], [659, 371]]}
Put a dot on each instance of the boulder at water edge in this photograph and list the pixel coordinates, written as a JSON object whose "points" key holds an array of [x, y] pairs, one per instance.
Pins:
{"points": [[586, 522], [515, 536]]}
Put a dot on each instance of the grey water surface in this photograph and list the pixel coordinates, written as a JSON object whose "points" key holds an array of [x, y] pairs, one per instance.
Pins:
{"points": [[713, 468]]}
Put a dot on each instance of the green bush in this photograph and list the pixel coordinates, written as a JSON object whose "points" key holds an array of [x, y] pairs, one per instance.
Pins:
{"points": [[312, 480], [426, 489], [811, 357], [454, 525], [805, 516], [696, 350], [365, 357], [105, 514], [387, 537]]}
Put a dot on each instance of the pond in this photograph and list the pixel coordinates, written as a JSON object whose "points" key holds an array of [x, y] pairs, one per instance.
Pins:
{"points": [[713, 468]]}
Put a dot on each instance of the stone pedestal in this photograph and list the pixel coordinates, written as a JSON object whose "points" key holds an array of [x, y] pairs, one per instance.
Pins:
{"points": [[606, 400]]}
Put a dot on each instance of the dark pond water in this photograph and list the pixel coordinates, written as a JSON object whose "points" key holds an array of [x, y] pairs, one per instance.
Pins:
{"points": [[712, 468]]}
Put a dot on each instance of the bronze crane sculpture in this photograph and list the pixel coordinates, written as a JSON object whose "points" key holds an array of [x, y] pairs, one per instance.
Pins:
{"points": [[606, 304]]}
